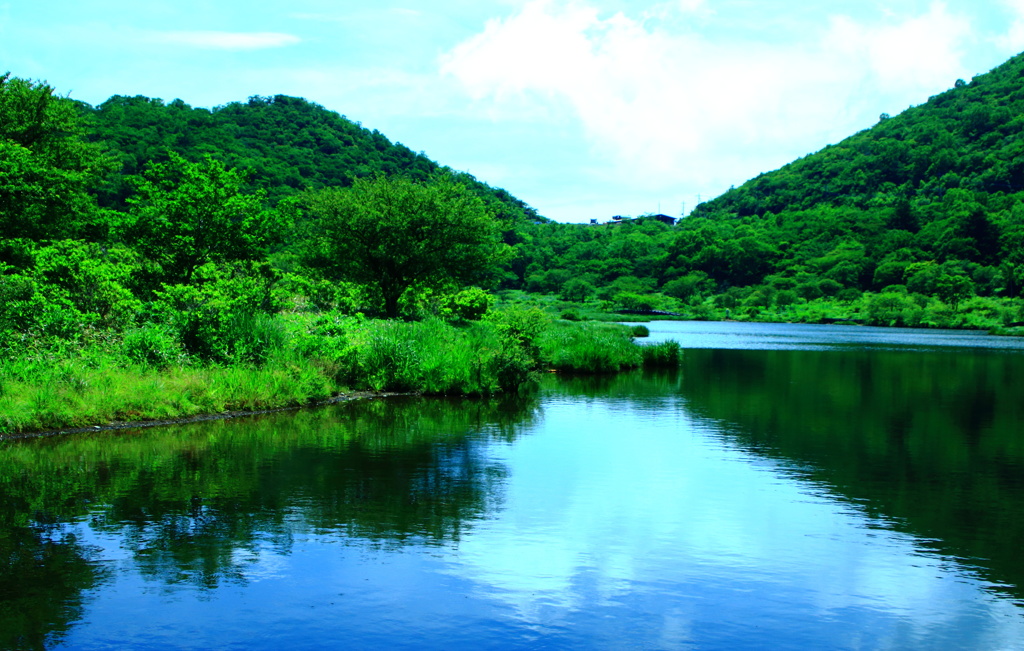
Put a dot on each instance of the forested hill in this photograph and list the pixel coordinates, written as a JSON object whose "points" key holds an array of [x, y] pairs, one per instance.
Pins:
{"points": [[286, 144], [916, 221], [970, 137]]}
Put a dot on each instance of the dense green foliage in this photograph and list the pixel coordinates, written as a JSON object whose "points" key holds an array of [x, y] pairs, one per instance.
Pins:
{"points": [[46, 166], [286, 144], [139, 212], [155, 264], [187, 214], [393, 234]]}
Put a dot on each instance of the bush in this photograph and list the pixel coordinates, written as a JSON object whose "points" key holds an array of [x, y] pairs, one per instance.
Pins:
{"points": [[470, 304], [785, 298], [522, 326], [688, 287], [639, 302], [225, 316], [893, 309], [152, 345], [640, 331], [701, 312]]}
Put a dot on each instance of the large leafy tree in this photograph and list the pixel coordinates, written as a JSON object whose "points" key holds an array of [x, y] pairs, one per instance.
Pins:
{"points": [[46, 166], [392, 233], [187, 214]]}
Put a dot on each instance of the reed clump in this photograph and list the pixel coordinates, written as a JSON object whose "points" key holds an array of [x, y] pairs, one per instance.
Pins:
{"points": [[589, 348]]}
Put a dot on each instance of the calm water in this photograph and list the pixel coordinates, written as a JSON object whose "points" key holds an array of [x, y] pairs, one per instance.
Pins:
{"points": [[790, 487]]}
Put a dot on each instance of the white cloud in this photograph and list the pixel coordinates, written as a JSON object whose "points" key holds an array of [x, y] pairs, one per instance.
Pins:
{"points": [[921, 50], [662, 104], [1012, 41], [227, 40]]}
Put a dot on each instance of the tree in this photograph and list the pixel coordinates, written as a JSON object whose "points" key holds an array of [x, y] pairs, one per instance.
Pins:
{"points": [[952, 289], [392, 234], [577, 290], [46, 166], [688, 287], [188, 214]]}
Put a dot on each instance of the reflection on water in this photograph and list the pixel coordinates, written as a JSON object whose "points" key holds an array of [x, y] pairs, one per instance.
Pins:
{"points": [[854, 498], [931, 440], [209, 505]]}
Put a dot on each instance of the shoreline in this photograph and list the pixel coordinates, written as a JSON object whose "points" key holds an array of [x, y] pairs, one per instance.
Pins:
{"points": [[199, 418]]}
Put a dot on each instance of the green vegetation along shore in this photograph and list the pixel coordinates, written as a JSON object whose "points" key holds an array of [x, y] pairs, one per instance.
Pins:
{"points": [[197, 294], [296, 359], [159, 260]]}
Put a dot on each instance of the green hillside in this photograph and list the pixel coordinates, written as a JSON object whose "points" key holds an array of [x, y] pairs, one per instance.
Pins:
{"points": [[969, 138], [285, 144], [916, 221]]}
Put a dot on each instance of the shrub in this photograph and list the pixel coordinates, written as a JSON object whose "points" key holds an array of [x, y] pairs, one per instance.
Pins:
{"points": [[151, 345], [639, 302], [522, 326], [640, 331], [701, 312], [893, 309], [785, 297], [470, 304]]}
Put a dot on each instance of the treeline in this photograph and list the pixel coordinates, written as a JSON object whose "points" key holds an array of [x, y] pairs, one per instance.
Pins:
{"points": [[817, 265], [916, 221]]}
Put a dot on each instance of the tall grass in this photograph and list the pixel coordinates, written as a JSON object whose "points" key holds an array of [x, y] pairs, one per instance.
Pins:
{"points": [[434, 357], [269, 362], [664, 354], [589, 348]]}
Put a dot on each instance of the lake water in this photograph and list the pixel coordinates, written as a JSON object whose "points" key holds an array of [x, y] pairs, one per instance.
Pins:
{"points": [[790, 487]]}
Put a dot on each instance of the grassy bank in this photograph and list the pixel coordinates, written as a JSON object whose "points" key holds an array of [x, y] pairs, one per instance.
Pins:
{"points": [[152, 373]]}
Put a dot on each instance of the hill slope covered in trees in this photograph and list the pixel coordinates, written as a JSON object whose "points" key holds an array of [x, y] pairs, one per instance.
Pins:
{"points": [[916, 221], [968, 137], [285, 144]]}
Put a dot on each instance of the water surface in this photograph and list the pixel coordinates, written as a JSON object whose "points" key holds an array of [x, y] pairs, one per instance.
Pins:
{"points": [[848, 492]]}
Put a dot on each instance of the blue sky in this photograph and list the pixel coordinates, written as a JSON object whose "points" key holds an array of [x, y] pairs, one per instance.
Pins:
{"points": [[582, 108]]}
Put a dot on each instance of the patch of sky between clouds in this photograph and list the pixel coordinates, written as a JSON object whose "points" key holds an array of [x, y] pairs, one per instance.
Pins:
{"points": [[227, 40]]}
